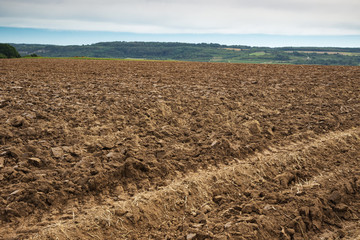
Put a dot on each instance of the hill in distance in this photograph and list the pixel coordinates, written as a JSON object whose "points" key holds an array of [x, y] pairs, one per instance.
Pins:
{"points": [[202, 52]]}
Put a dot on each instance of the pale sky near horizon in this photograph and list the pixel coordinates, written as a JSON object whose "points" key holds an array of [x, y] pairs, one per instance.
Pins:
{"points": [[299, 18]]}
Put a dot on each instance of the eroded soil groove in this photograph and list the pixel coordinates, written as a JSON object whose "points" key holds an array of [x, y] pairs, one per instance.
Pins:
{"points": [[103, 149]]}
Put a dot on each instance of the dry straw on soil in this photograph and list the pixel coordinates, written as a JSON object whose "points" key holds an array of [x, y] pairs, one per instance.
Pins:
{"points": [[200, 194]]}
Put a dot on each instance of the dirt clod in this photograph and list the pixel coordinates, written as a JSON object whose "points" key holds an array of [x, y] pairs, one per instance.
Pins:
{"points": [[17, 121], [335, 197], [57, 152]]}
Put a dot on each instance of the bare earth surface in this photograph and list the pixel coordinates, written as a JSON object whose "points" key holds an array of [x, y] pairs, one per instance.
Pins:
{"points": [[175, 150]]}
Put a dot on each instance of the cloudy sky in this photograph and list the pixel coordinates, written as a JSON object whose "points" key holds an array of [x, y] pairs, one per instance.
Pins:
{"points": [[224, 21]]}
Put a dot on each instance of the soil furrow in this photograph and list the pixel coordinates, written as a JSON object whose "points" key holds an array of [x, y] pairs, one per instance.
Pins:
{"points": [[263, 197]]}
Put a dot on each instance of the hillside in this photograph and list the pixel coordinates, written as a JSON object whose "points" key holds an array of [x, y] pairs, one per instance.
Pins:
{"points": [[199, 52]]}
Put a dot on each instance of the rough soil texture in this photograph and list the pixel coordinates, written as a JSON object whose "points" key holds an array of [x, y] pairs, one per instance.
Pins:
{"points": [[174, 150]]}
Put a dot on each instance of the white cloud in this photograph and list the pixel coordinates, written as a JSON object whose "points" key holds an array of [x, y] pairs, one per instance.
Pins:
{"points": [[292, 17]]}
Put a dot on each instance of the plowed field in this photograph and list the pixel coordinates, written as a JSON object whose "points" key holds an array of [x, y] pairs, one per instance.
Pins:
{"points": [[174, 150]]}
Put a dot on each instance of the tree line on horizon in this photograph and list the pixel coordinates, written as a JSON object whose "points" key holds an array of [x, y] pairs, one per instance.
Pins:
{"points": [[203, 52]]}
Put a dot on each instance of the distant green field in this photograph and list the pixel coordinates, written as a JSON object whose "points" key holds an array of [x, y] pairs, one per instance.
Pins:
{"points": [[327, 52], [257, 54], [83, 58], [95, 58]]}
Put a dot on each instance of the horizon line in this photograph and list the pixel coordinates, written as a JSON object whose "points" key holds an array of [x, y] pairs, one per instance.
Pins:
{"points": [[83, 37]]}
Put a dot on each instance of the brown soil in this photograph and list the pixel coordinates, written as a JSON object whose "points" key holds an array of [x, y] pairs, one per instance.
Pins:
{"points": [[175, 150]]}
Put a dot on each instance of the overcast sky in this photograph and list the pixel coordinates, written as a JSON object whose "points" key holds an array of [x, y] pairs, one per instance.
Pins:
{"points": [[274, 17]]}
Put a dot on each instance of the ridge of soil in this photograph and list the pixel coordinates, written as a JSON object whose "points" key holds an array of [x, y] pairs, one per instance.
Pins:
{"points": [[77, 136], [306, 190]]}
